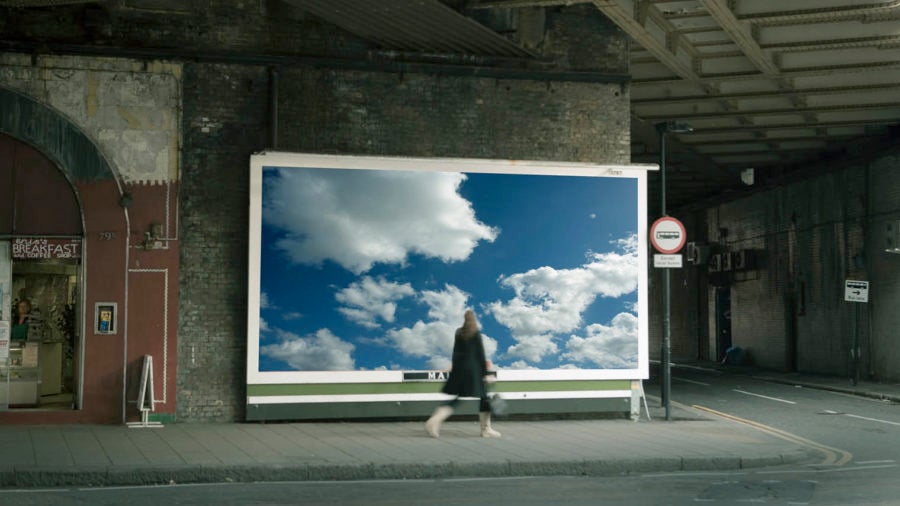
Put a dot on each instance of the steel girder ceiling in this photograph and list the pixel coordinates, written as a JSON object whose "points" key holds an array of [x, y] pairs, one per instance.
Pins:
{"points": [[773, 85]]}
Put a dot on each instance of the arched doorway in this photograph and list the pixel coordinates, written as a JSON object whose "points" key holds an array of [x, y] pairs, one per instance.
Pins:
{"points": [[41, 236], [41, 135]]}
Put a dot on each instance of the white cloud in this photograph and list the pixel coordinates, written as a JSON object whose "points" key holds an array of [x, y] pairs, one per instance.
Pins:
{"points": [[358, 218], [433, 339], [447, 305], [263, 325], [607, 347], [532, 348], [292, 316], [322, 351], [368, 300], [520, 364], [550, 301], [264, 301]]}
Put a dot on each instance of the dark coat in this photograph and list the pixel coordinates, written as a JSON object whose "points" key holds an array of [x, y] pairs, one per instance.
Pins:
{"points": [[20, 330], [469, 367]]}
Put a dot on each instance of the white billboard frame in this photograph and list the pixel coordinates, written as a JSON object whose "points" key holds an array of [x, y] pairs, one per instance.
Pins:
{"points": [[488, 166]]}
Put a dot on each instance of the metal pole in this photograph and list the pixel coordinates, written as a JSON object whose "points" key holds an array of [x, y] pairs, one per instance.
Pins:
{"points": [[854, 351], [666, 341]]}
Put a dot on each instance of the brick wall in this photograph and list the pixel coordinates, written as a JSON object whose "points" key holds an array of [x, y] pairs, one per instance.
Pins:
{"points": [[427, 115], [224, 121], [812, 236], [582, 38], [881, 317]]}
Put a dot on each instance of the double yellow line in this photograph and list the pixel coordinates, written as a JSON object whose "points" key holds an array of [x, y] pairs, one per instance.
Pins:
{"points": [[833, 456]]}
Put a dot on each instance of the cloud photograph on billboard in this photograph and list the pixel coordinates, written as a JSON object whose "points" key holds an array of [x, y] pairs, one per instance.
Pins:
{"points": [[372, 270]]}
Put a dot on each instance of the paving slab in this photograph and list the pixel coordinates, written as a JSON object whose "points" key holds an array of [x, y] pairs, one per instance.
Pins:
{"points": [[44, 456], [199, 453]]}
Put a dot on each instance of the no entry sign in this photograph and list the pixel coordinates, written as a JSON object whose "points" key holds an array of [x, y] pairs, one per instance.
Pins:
{"points": [[667, 235]]}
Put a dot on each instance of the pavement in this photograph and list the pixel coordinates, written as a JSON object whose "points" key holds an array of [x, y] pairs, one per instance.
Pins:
{"points": [[693, 440]]}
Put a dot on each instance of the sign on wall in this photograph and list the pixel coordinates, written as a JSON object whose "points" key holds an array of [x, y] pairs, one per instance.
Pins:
{"points": [[856, 291], [361, 268], [33, 248], [105, 317]]}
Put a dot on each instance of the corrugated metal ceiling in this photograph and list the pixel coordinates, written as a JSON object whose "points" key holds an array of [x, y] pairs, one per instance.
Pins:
{"points": [[426, 26], [43, 3]]}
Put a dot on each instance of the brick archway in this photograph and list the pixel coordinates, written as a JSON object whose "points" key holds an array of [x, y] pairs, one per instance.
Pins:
{"points": [[36, 199], [105, 227]]}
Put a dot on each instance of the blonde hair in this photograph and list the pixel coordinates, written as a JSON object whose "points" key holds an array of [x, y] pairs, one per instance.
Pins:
{"points": [[470, 324]]}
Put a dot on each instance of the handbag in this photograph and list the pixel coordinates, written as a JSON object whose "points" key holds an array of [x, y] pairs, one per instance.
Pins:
{"points": [[498, 404]]}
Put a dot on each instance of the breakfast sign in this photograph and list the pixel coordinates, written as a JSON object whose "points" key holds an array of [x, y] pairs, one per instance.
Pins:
{"points": [[42, 248]]}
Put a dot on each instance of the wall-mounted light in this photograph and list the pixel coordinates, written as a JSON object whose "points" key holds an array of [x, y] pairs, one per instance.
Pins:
{"points": [[747, 176], [674, 127], [125, 200]]}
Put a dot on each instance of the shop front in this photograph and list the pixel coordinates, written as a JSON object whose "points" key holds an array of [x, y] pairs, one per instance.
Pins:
{"points": [[41, 244], [86, 261], [41, 280]]}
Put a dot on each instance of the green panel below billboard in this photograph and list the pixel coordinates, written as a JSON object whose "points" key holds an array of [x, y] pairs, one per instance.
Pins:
{"points": [[429, 387], [420, 409]]}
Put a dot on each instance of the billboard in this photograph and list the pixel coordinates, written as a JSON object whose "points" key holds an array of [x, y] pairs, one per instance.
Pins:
{"points": [[360, 268]]}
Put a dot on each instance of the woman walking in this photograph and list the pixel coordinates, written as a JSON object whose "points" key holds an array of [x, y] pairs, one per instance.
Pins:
{"points": [[467, 372]]}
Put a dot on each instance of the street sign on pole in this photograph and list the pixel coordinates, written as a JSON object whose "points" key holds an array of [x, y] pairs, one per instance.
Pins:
{"points": [[667, 261], [667, 235], [856, 291]]}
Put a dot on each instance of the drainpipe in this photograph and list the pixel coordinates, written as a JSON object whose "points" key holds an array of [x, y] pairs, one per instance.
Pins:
{"points": [[273, 107]]}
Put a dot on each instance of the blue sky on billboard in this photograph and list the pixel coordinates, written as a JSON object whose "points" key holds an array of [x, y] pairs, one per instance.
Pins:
{"points": [[373, 269]]}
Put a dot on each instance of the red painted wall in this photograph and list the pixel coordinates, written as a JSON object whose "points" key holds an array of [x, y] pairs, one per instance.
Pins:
{"points": [[119, 266]]}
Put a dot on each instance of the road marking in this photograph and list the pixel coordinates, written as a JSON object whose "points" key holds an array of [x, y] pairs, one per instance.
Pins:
{"points": [[867, 462], [872, 419], [860, 468], [704, 369], [506, 478], [170, 485], [833, 456], [691, 381], [33, 491], [764, 396], [694, 473], [782, 472], [825, 390]]}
